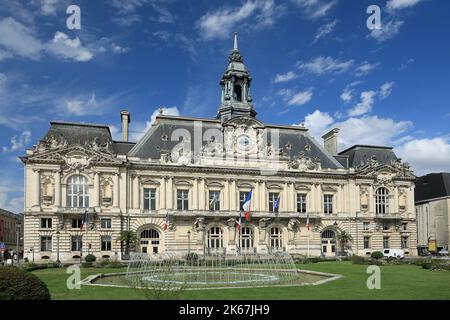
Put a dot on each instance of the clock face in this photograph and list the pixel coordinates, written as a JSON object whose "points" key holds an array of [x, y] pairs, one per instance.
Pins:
{"points": [[244, 142]]}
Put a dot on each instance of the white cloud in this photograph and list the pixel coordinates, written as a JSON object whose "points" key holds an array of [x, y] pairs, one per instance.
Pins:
{"points": [[386, 90], [324, 30], [79, 106], [220, 23], [365, 68], [18, 142], [68, 49], [393, 5], [426, 155], [318, 122], [365, 106], [285, 77], [347, 95], [370, 130], [300, 98], [388, 30], [49, 7], [314, 9], [18, 39], [325, 65], [140, 128]]}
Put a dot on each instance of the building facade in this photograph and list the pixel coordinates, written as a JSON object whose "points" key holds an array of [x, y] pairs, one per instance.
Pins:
{"points": [[11, 231], [433, 212], [182, 187]]}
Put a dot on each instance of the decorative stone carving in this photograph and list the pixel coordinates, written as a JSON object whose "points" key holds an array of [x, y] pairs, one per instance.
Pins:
{"points": [[364, 194], [264, 222], [50, 143], [304, 163], [294, 225], [96, 146]]}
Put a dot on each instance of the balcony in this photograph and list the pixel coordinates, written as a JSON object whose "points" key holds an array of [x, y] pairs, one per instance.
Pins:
{"points": [[388, 216]]}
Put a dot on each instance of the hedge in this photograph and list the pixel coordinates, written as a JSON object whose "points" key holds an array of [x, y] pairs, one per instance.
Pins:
{"points": [[18, 284]]}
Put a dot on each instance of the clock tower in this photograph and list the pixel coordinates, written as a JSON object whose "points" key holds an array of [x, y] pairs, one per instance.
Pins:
{"points": [[236, 100]]}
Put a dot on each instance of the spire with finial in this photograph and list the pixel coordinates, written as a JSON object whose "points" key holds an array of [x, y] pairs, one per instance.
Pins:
{"points": [[235, 55]]}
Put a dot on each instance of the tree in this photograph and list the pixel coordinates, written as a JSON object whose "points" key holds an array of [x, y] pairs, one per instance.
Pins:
{"points": [[129, 239], [343, 238]]}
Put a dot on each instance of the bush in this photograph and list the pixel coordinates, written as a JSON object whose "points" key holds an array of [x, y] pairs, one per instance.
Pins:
{"points": [[18, 284], [357, 259], [115, 264], [192, 257], [90, 258], [377, 255]]}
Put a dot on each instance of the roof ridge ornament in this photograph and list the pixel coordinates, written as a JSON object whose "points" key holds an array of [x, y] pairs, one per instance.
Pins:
{"points": [[235, 55], [235, 48]]}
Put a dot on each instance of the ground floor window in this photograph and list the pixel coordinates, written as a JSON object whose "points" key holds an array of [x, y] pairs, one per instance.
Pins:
{"points": [[215, 238], [106, 243], [46, 243], [246, 238], [405, 242], [76, 243], [386, 242], [366, 242], [276, 240]]}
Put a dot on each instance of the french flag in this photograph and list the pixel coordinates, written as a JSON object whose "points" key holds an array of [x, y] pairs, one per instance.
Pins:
{"points": [[84, 220], [246, 205], [308, 226], [239, 222]]}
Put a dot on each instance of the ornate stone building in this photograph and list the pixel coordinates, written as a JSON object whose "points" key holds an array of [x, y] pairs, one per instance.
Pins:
{"points": [[181, 187]]}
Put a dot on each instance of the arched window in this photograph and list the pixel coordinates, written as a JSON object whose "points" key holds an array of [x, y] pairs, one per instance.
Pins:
{"points": [[246, 238], [328, 234], [150, 234], [382, 201], [77, 192], [275, 238], [237, 92], [215, 238]]}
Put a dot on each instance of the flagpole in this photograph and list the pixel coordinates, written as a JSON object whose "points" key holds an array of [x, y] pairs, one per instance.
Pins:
{"points": [[309, 234]]}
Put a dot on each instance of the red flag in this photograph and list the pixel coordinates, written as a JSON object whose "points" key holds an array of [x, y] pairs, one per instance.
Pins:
{"points": [[308, 226]]}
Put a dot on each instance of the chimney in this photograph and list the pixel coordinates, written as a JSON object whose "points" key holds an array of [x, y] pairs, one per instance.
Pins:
{"points": [[330, 141], [126, 118]]}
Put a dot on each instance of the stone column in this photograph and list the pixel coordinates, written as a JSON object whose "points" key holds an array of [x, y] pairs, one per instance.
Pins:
{"points": [[195, 194], [162, 193], [284, 199], [37, 188], [394, 203], [234, 204], [291, 198], [58, 189], [371, 200], [169, 193], [96, 191], [263, 194], [226, 196], [136, 192], [116, 191], [256, 196]]}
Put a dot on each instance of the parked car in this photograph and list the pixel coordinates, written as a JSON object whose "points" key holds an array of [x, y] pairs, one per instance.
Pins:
{"points": [[394, 253], [443, 252]]}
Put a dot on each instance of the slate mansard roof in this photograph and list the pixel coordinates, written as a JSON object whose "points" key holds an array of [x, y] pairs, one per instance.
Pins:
{"points": [[292, 140], [359, 154], [83, 133], [432, 186]]}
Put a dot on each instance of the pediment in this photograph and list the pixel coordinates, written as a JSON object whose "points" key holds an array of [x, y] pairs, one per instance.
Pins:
{"points": [[383, 171], [75, 157]]}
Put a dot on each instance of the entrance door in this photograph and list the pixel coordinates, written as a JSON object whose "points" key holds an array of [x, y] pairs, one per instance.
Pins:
{"points": [[150, 241], [328, 243]]}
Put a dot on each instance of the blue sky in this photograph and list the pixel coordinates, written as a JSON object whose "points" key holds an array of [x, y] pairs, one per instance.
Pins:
{"points": [[312, 62]]}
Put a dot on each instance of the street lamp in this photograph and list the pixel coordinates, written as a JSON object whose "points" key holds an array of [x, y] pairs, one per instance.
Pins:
{"points": [[189, 242], [57, 247], [18, 225]]}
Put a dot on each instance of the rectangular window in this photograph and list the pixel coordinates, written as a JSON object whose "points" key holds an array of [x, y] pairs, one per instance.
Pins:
{"points": [[76, 223], [366, 226], [386, 226], [46, 243], [405, 226], [405, 244], [105, 223], [386, 243], [328, 203], [214, 200], [106, 243], [76, 243], [46, 223], [149, 199], [366, 242], [183, 200], [301, 203], [242, 197], [274, 202]]}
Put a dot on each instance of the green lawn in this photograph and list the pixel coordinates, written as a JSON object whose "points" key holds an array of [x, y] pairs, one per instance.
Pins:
{"points": [[397, 282]]}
